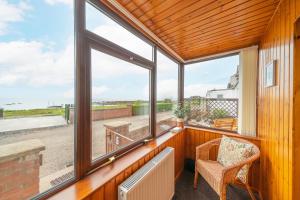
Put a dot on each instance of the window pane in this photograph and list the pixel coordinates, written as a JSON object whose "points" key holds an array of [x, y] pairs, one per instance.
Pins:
{"points": [[167, 92], [100, 24], [37, 96], [120, 103], [212, 93]]}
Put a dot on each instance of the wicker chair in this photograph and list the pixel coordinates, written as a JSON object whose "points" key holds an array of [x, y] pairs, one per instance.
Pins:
{"points": [[218, 176]]}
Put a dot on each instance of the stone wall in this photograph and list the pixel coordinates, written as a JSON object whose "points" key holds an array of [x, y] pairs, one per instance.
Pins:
{"points": [[19, 169]]}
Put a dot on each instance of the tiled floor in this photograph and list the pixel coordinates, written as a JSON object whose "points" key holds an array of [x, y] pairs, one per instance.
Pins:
{"points": [[184, 190]]}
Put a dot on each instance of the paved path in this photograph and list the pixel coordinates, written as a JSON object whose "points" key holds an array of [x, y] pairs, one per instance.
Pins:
{"points": [[29, 123]]}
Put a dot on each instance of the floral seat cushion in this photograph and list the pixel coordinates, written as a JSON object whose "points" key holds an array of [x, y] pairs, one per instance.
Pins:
{"points": [[231, 152]]}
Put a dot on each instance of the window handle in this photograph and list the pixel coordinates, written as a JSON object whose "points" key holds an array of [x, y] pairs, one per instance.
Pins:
{"points": [[110, 160], [148, 140]]}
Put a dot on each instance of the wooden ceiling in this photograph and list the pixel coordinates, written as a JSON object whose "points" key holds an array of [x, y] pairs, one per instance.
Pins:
{"points": [[197, 28]]}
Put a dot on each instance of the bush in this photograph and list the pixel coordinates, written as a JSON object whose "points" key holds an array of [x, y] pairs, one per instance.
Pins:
{"points": [[182, 110], [219, 114], [140, 109], [162, 107], [143, 109]]}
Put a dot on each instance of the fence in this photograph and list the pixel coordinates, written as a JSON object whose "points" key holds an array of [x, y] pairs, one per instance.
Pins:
{"points": [[1, 113], [209, 111]]}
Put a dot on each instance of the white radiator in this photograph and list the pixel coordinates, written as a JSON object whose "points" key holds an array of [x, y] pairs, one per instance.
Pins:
{"points": [[154, 181]]}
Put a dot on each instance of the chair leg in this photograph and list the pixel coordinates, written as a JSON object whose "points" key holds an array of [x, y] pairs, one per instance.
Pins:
{"points": [[250, 192], [196, 179], [223, 192]]}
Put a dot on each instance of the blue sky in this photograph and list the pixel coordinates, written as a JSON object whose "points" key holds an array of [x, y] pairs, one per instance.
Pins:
{"points": [[34, 37], [37, 59], [42, 21], [208, 75]]}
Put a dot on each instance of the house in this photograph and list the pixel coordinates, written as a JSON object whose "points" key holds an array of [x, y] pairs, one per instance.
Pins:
{"points": [[231, 92]]}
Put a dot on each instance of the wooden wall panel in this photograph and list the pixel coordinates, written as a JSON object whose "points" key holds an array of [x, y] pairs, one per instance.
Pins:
{"points": [[296, 109], [275, 105], [97, 186], [197, 136], [108, 191]]}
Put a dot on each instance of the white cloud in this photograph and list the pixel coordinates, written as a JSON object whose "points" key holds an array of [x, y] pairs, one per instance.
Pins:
{"points": [[9, 79], [32, 63], [98, 90], [106, 67], [100, 24], [69, 94], [11, 13], [53, 2], [146, 92], [35, 64], [165, 65], [124, 38], [200, 89], [167, 89]]}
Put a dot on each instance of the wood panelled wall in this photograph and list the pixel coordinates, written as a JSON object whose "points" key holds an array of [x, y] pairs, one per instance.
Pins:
{"points": [[103, 183], [198, 136], [296, 110], [275, 105], [96, 186], [110, 190]]}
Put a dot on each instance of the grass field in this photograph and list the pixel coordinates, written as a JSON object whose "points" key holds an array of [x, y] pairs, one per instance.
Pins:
{"points": [[138, 109], [34, 112], [49, 111]]}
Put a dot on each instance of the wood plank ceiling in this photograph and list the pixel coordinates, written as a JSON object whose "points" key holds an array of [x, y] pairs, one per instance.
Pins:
{"points": [[197, 28]]}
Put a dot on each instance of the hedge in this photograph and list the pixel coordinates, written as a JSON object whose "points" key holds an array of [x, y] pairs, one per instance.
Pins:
{"points": [[143, 109]]}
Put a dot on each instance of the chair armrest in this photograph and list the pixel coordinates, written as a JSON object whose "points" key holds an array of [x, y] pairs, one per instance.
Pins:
{"points": [[202, 151], [230, 172]]}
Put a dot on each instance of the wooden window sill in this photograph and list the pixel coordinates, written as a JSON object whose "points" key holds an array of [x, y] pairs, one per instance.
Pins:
{"points": [[86, 186]]}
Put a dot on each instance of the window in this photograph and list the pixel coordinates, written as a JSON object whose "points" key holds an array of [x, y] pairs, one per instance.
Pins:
{"points": [[120, 104], [100, 24], [212, 93], [41, 132], [120, 71], [167, 92], [37, 96]]}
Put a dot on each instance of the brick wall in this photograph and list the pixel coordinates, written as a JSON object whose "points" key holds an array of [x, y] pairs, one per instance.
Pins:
{"points": [[19, 169], [107, 113], [142, 132], [115, 131]]}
